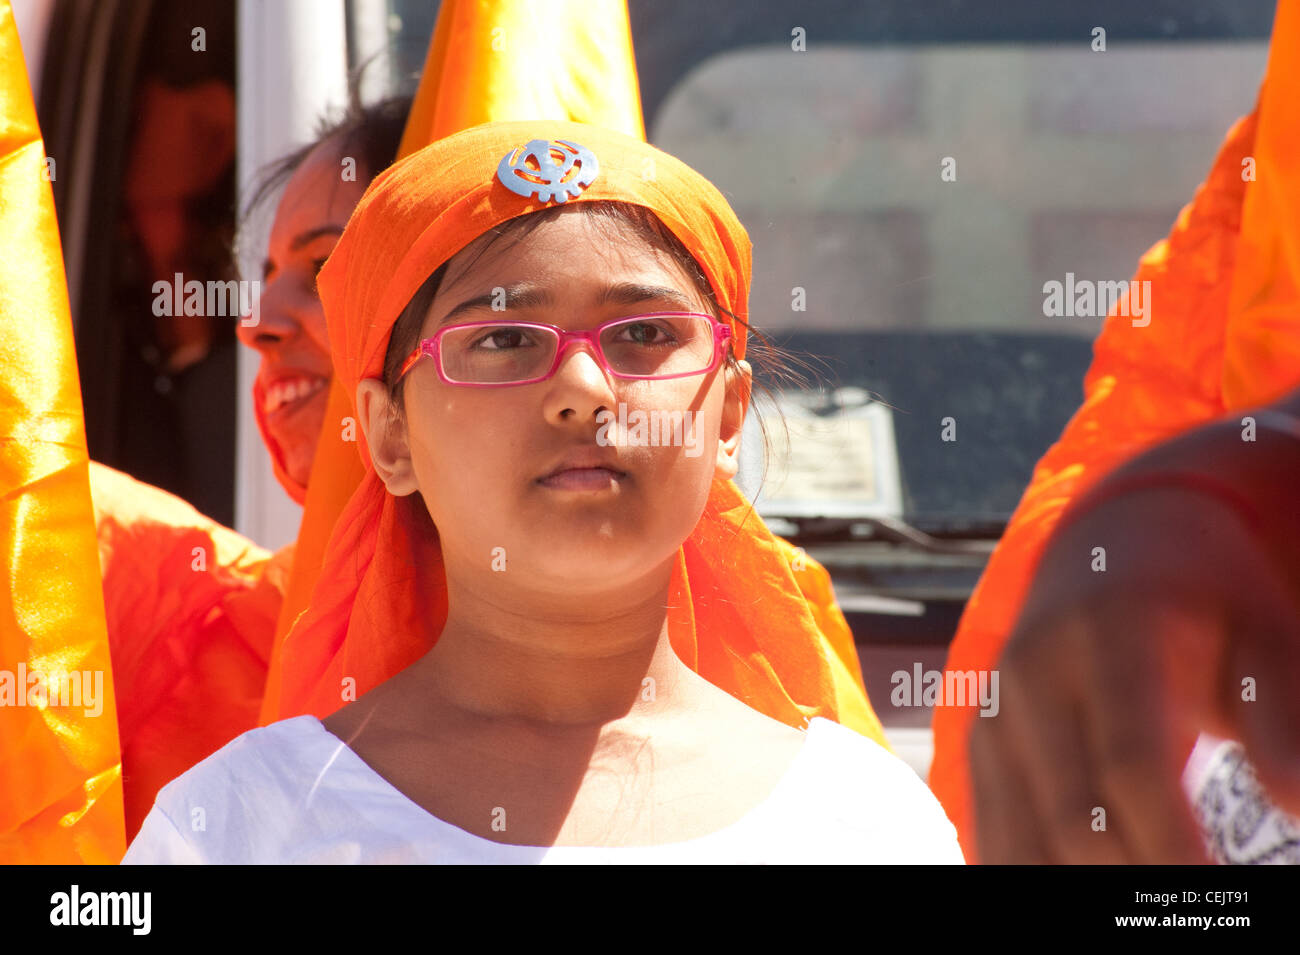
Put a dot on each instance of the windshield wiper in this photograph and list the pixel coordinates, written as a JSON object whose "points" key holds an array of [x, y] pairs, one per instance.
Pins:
{"points": [[894, 530]]}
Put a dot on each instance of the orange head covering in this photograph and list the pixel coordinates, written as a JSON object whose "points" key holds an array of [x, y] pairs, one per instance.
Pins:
{"points": [[736, 614]]}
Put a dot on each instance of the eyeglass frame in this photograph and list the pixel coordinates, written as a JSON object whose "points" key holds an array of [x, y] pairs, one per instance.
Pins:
{"points": [[429, 348]]}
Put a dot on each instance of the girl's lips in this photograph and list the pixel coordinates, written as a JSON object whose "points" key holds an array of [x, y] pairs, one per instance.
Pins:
{"points": [[583, 479]]}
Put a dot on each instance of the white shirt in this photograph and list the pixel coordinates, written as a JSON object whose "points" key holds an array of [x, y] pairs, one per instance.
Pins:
{"points": [[292, 792]]}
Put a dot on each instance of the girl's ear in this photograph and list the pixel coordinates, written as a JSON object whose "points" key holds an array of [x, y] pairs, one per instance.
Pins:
{"points": [[385, 433], [740, 386]]}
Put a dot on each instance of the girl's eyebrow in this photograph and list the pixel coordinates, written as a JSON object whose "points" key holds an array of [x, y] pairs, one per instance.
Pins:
{"points": [[525, 295], [634, 293]]}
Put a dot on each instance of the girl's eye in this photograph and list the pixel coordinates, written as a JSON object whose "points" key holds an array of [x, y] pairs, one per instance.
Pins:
{"points": [[499, 339], [645, 333]]}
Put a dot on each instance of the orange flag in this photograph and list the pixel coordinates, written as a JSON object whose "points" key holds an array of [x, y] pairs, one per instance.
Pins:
{"points": [[60, 766], [1261, 359], [494, 60]]}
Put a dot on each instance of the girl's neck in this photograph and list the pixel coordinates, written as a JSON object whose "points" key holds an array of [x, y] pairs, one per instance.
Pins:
{"points": [[562, 672], [564, 685], [574, 668]]}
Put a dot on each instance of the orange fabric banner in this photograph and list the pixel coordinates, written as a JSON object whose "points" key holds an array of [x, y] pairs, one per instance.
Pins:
{"points": [[1261, 360], [493, 60], [1224, 333], [60, 765]]}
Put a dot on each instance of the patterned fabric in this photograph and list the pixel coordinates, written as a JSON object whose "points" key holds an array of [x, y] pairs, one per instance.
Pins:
{"points": [[1240, 825]]}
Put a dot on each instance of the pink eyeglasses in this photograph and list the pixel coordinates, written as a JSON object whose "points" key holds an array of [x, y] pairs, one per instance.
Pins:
{"points": [[655, 346]]}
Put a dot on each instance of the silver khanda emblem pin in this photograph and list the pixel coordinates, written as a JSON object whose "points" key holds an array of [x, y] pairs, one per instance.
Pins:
{"points": [[553, 170]]}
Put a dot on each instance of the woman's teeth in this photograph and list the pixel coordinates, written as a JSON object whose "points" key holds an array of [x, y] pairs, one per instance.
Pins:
{"points": [[290, 390]]}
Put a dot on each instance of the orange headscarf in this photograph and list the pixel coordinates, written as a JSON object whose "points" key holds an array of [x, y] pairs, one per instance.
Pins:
{"points": [[736, 614]]}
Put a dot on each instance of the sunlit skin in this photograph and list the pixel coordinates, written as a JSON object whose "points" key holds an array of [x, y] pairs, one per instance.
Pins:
{"points": [[1108, 678], [534, 696], [291, 333]]}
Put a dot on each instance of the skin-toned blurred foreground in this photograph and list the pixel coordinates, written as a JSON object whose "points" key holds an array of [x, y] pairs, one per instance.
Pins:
{"points": [[1192, 627]]}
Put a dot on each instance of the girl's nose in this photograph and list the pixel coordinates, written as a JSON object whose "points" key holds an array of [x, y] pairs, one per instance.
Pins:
{"points": [[589, 367], [580, 383], [585, 344]]}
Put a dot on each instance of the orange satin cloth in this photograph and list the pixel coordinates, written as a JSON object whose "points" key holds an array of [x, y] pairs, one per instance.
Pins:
{"points": [[60, 768], [736, 612], [1261, 356], [191, 609], [510, 59], [1224, 334]]}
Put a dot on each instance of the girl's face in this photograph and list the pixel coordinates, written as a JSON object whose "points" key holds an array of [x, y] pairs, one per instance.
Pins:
{"points": [[291, 334], [528, 468]]}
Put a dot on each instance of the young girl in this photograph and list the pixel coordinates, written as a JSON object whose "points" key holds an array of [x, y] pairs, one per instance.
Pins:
{"points": [[624, 669]]}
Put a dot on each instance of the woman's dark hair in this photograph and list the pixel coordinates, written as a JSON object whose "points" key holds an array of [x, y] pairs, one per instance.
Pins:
{"points": [[771, 362], [370, 134]]}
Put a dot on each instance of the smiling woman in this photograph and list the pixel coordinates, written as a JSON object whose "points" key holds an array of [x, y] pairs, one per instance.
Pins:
{"points": [[190, 605], [603, 653], [322, 184]]}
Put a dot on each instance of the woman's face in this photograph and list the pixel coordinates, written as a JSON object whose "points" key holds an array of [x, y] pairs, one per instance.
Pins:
{"points": [[291, 334], [518, 467]]}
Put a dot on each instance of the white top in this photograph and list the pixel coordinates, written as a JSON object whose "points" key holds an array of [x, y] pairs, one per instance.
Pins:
{"points": [[293, 792]]}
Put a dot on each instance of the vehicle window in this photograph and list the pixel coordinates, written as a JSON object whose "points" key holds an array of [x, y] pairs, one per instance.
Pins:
{"points": [[910, 201]]}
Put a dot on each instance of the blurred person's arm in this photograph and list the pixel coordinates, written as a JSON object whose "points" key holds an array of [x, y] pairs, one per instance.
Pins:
{"points": [[1192, 626]]}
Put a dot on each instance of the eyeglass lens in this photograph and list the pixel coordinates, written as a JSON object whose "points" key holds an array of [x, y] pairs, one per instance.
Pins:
{"points": [[660, 346]]}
